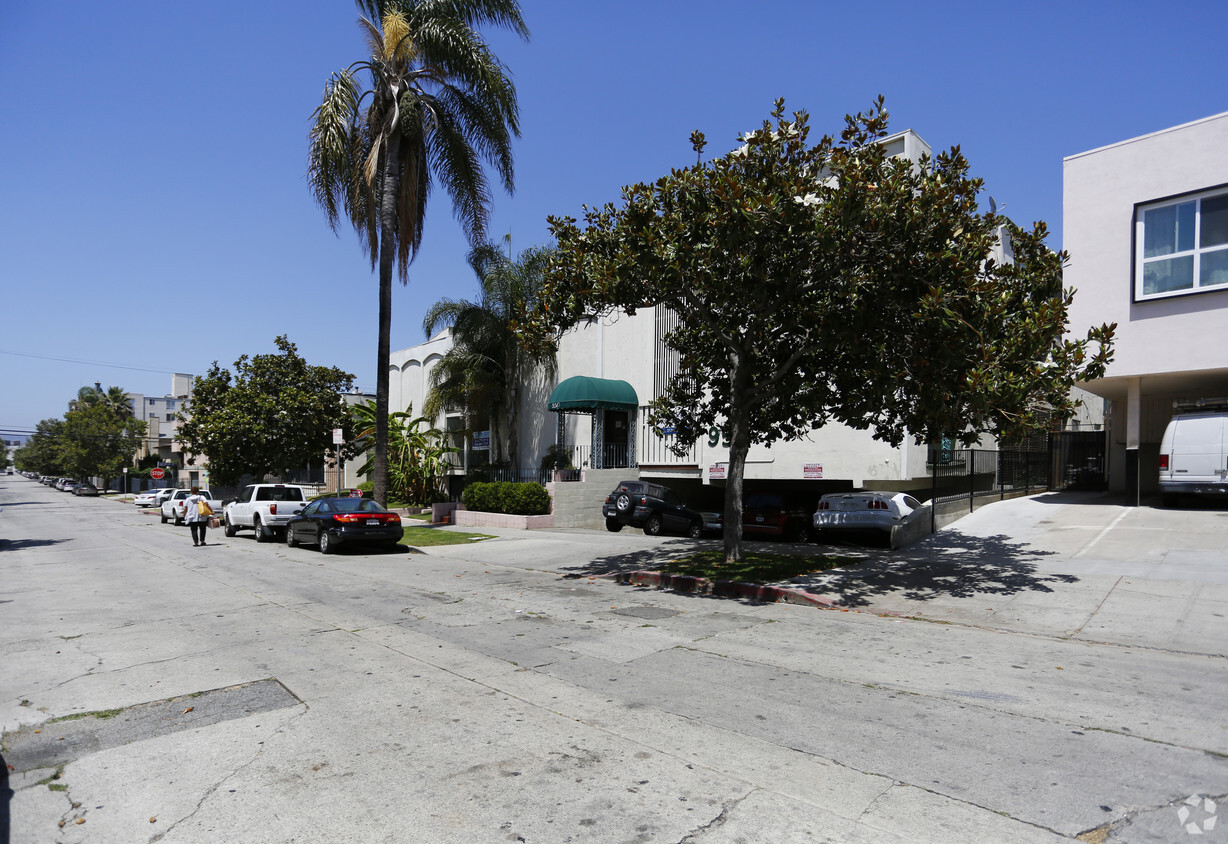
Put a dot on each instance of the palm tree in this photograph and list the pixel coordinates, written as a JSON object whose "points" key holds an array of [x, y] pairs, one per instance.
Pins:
{"points": [[483, 370], [440, 104], [113, 398]]}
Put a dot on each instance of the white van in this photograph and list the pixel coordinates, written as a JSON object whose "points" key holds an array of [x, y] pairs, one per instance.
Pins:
{"points": [[1193, 456]]}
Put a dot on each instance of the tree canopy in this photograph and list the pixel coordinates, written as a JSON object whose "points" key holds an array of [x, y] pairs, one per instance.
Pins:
{"points": [[440, 103], [275, 413], [827, 283], [96, 438]]}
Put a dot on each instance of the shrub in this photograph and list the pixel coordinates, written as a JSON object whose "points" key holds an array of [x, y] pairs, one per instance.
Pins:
{"points": [[503, 497]]}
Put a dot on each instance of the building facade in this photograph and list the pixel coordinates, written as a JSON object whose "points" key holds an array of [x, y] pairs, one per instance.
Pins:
{"points": [[1146, 226]]}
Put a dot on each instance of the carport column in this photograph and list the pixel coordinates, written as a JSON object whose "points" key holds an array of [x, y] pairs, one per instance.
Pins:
{"points": [[1134, 405]]}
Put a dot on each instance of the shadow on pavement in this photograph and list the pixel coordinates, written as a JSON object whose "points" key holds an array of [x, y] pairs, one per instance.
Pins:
{"points": [[647, 558], [21, 544], [961, 567]]}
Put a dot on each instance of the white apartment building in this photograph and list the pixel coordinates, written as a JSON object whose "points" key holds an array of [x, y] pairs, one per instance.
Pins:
{"points": [[1146, 226]]}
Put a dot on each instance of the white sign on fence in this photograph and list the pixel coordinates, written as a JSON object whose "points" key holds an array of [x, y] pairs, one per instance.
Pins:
{"points": [[812, 471]]}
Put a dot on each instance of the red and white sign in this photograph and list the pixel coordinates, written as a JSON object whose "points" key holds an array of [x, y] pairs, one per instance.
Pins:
{"points": [[812, 471], [716, 473], [356, 493], [157, 474]]}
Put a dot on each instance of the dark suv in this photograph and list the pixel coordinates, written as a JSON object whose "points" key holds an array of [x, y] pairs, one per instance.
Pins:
{"points": [[652, 507]]}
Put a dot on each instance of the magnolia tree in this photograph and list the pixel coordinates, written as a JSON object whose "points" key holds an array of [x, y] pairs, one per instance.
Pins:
{"points": [[826, 282], [274, 414]]}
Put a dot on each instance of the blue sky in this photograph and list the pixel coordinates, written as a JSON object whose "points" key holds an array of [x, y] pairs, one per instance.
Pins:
{"points": [[154, 215]]}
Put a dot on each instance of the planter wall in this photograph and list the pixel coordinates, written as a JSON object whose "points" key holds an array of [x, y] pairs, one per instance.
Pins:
{"points": [[476, 518]]}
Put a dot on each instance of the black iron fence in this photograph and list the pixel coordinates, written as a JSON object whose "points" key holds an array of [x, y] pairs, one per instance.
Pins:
{"points": [[976, 473]]}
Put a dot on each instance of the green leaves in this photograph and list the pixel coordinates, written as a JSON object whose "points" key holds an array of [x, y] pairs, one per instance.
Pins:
{"points": [[828, 282], [276, 413]]}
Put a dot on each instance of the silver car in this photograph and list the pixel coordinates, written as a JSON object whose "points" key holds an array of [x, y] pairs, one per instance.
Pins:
{"points": [[866, 511]]}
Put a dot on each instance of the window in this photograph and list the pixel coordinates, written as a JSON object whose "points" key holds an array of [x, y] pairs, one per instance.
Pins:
{"points": [[1181, 246]]}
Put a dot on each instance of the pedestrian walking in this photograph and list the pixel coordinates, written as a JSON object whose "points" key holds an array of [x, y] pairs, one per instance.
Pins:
{"points": [[196, 512]]}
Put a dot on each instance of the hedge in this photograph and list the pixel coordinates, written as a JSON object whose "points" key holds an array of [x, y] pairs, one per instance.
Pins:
{"points": [[527, 499]]}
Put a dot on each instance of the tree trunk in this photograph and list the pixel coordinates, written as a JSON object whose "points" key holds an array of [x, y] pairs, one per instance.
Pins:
{"points": [[739, 447], [387, 256]]}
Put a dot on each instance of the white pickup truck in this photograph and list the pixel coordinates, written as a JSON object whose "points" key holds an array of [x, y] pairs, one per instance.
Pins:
{"points": [[265, 508]]}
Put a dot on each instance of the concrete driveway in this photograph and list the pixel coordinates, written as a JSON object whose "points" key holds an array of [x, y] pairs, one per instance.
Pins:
{"points": [[1078, 565]]}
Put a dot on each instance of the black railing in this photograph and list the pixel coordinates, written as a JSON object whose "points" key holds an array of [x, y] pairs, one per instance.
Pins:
{"points": [[975, 473]]}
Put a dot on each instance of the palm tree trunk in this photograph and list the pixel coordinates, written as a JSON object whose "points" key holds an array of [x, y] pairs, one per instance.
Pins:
{"points": [[387, 253]]}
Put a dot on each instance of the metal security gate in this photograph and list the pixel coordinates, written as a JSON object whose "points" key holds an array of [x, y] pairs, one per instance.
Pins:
{"points": [[1079, 460]]}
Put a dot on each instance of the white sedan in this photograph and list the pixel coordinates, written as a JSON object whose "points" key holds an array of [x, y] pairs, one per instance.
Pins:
{"points": [[148, 498], [866, 511]]}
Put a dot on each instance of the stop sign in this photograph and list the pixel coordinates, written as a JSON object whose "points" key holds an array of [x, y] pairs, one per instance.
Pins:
{"points": [[156, 474]]}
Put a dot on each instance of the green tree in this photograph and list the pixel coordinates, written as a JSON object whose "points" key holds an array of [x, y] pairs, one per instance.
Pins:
{"points": [[274, 414], [417, 455], [827, 282], [41, 453], [487, 364], [440, 103], [95, 442]]}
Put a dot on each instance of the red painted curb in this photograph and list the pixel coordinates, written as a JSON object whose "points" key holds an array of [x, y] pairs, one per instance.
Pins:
{"points": [[724, 588]]}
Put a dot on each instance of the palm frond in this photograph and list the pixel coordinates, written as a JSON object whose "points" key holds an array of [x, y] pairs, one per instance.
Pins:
{"points": [[330, 145]]}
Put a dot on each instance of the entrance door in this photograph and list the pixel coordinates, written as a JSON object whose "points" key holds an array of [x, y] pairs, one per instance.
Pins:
{"points": [[614, 449]]}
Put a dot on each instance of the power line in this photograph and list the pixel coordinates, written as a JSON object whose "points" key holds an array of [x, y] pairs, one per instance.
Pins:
{"points": [[87, 362]]}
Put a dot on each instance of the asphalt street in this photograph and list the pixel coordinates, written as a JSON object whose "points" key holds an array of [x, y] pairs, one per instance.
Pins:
{"points": [[1045, 669]]}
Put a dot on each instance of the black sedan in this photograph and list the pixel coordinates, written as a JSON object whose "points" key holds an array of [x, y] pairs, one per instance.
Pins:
{"points": [[329, 522]]}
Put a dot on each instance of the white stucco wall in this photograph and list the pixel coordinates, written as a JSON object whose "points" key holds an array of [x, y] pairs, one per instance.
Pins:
{"points": [[1101, 189]]}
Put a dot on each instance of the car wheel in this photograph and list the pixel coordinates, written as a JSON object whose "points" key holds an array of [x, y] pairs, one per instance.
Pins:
{"points": [[652, 527], [803, 533], [327, 545], [290, 540], [164, 520], [178, 520], [623, 503], [229, 529], [259, 528], [613, 525], [696, 531]]}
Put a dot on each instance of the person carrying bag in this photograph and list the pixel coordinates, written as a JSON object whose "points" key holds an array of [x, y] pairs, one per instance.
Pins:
{"points": [[197, 513]]}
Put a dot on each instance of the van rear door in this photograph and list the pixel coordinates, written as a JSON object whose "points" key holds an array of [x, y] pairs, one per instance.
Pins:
{"points": [[1197, 454]]}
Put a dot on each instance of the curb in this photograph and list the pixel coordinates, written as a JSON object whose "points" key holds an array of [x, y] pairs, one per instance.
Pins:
{"points": [[724, 588]]}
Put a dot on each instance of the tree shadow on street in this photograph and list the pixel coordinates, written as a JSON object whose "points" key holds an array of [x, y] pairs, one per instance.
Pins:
{"points": [[957, 567], [642, 560], [22, 544]]}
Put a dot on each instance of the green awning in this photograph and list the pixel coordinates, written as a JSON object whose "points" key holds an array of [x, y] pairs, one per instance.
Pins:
{"points": [[584, 393]]}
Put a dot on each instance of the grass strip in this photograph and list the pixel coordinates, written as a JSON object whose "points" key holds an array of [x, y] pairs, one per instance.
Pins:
{"points": [[421, 537]]}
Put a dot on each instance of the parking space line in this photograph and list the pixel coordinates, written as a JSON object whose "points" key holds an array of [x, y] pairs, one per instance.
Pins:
{"points": [[1100, 535]]}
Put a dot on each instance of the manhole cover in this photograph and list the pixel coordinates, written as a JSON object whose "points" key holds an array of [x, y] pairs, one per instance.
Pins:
{"points": [[646, 612]]}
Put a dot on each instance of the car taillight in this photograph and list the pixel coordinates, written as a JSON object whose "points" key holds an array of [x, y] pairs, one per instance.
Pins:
{"points": [[272, 509], [824, 505], [353, 518], [1163, 462], [878, 504]]}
